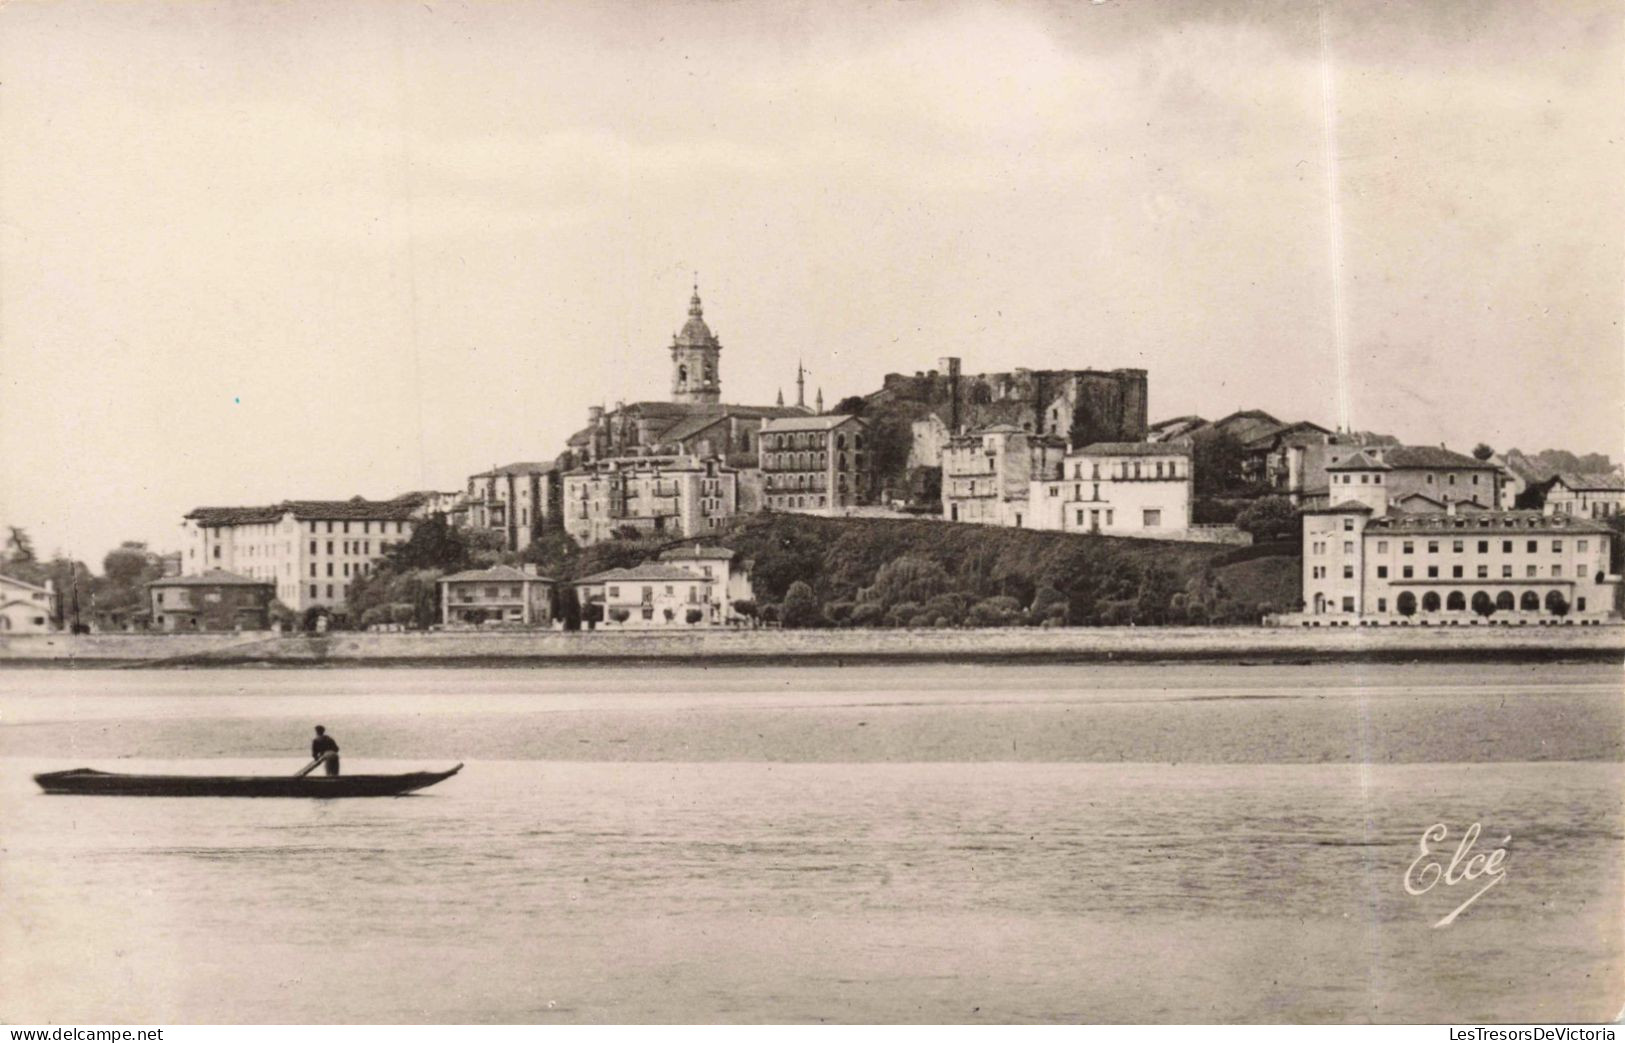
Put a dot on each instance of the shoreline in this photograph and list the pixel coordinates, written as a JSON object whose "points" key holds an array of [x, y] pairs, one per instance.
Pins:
{"points": [[820, 647]]}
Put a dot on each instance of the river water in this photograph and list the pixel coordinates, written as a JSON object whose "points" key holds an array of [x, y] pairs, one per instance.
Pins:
{"points": [[887, 843]]}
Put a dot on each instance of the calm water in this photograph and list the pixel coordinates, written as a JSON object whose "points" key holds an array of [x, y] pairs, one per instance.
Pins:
{"points": [[872, 844]]}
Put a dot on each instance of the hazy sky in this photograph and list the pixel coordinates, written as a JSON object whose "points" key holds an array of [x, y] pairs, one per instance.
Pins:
{"points": [[254, 251]]}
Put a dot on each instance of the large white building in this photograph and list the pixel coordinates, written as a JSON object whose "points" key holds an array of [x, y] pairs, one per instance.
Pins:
{"points": [[1118, 489], [311, 549], [1365, 563]]}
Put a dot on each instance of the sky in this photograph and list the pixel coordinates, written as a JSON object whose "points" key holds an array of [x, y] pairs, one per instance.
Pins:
{"points": [[259, 251]]}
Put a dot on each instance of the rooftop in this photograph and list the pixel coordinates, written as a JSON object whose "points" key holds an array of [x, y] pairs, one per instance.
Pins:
{"points": [[823, 422], [1488, 521], [697, 552], [1592, 482], [649, 570], [494, 574], [1131, 449], [356, 508]]}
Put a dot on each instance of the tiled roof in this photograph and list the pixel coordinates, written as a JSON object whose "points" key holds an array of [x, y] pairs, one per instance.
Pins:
{"points": [[211, 578], [1360, 461], [647, 571], [697, 553], [823, 422], [1410, 457], [211, 516], [523, 467], [690, 427], [1346, 507], [354, 509], [1489, 521], [1131, 449], [494, 574], [1592, 482]]}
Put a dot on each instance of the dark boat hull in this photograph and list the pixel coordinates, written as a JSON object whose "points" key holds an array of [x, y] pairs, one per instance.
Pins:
{"points": [[89, 782]]}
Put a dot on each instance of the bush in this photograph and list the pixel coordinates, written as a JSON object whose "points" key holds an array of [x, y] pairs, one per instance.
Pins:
{"points": [[902, 615], [1049, 603], [837, 613], [868, 614], [800, 607], [770, 613], [693, 616], [948, 607], [620, 615], [1000, 611]]}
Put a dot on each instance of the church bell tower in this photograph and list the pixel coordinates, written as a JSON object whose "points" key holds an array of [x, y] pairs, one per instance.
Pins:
{"points": [[695, 351]]}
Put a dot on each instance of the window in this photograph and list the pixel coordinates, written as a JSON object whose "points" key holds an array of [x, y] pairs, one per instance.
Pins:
{"points": [[1407, 547], [329, 546], [217, 550], [1348, 524], [1532, 571], [1408, 572], [1506, 546], [1348, 571], [1581, 546], [1153, 519], [614, 592], [1506, 571], [1483, 546], [1382, 604], [1457, 546], [1348, 604], [1433, 546], [313, 570], [330, 590], [1557, 546], [1433, 572], [1455, 572], [1483, 572], [329, 527], [1382, 546], [1348, 546], [1557, 571], [330, 568], [1579, 604], [313, 546], [313, 586], [1382, 572], [1533, 546]]}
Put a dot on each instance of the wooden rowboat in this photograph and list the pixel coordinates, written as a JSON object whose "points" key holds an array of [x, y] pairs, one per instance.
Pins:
{"points": [[89, 782]]}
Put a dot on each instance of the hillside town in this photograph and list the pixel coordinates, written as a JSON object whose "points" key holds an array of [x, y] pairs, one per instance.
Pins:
{"points": [[1375, 531]]}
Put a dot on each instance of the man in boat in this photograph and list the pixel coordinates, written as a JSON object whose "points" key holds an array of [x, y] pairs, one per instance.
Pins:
{"points": [[323, 743]]}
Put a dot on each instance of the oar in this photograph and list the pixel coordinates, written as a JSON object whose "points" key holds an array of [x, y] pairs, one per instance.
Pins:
{"points": [[307, 769]]}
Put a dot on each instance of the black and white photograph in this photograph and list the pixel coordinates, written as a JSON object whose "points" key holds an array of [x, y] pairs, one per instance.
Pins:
{"points": [[736, 512]]}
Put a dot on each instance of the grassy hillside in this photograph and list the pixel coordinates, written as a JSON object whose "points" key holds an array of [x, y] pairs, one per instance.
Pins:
{"points": [[865, 571]]}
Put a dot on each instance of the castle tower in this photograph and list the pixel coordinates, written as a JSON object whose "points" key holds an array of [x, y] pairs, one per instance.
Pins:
{"points": [[695, 376]]}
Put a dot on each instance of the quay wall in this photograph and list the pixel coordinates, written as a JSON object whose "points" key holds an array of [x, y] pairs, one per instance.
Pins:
{"points": [[764, 647]]}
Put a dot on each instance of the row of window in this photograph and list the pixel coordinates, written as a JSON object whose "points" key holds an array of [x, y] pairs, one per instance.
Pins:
{"points": [[807, 440], [1129, 470], [362, 568], [1456, 546]]}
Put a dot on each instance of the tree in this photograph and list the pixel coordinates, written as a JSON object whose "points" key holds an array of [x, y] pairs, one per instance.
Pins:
{"points": [[1483, 604], [851, 405], [1482, 451], [800, 606], [1270, 518], [19, 547], [434, 544], [1217, 462], [693, 616]]}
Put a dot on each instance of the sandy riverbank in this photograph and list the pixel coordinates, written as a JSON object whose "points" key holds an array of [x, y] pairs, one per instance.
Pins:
{"points": [[1092, 644]]}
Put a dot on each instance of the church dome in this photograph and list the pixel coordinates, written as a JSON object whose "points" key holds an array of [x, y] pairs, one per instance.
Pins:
{"points": [[695, 333]]}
